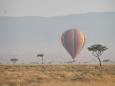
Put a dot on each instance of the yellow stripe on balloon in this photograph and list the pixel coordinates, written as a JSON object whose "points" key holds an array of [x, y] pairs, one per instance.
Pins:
{"points": [[81, 41]]}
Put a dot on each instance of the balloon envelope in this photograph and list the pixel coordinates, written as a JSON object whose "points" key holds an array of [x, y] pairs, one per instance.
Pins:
{"points": [[73, 41]]}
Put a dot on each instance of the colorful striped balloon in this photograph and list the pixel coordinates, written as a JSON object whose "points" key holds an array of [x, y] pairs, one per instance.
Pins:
{"points": [[73, 41]]}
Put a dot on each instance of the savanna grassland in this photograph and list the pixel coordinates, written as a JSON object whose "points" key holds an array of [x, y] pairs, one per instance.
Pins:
{"points": [[57, 75]]}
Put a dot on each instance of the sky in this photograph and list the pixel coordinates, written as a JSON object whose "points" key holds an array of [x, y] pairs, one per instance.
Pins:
{"points": [[47, 8], [23, 36]]}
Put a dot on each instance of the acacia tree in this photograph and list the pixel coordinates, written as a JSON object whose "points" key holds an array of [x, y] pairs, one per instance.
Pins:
{"points": [[13, 60], [41, 55], [97, 50]]}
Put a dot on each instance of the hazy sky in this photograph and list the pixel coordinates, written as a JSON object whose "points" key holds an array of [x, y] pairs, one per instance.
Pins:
{"points": [[53, 7]]}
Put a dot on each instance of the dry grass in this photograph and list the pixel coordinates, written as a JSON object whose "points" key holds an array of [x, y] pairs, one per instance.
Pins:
{"points": [[57, 75]]}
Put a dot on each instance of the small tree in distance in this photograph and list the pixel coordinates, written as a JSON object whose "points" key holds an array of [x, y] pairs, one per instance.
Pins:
{"points": [[97, 50], [13, 60], [41, 55]]}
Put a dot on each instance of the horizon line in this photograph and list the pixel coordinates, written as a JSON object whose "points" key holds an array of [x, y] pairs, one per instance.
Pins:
{"points": [[54, 15]]}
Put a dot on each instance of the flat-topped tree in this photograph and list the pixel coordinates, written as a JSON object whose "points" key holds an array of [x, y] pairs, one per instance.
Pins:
{"points": [[97, 50], [41, 55], [13, 60]]}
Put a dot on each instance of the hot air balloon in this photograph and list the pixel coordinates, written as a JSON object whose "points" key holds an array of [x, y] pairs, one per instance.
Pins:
{"points": [[73, 41]]}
